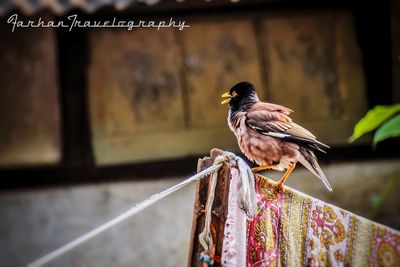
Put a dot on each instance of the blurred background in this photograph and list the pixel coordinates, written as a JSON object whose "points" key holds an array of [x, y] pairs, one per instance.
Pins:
{"points": [[95, 120]]}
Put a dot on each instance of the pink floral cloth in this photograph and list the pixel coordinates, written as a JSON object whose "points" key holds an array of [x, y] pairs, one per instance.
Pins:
{"points": [[293, 229]]}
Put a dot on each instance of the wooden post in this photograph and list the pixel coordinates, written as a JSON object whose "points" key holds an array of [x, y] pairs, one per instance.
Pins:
{"points": [[219, 208]]}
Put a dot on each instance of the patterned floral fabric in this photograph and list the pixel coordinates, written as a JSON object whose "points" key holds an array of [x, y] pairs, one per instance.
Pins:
{"points": [[293, 229]]}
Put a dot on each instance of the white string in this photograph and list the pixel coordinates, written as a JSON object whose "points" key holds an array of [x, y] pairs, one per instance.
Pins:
{"points": [[205, 237], [132, 211]]}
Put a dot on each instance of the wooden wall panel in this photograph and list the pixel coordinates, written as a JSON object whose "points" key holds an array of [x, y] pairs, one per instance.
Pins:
{"points": [[218, 54], [135, 93], [314, 67], [134, 82], [29, 107], [156, 94]]}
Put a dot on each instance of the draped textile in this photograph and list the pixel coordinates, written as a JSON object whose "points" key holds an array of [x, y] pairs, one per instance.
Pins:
{"points": [[293, 229]]}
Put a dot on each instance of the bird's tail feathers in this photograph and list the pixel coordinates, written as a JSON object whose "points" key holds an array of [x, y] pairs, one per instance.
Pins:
{"points": [[308, 160]]}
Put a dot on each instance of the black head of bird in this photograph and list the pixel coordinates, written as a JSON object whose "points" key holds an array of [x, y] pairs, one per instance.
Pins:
{"points": [[241, 96]]}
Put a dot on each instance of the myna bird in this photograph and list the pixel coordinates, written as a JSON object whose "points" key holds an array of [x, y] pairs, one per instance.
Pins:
{"points": [[267, 135]]}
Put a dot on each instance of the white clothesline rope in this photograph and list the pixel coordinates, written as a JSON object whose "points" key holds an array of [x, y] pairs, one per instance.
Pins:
{"points": [[132, 211]]}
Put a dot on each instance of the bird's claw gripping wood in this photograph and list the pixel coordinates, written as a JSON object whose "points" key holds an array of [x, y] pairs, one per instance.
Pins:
{"points": [[279, 185], [261, 168], [279, 188]]}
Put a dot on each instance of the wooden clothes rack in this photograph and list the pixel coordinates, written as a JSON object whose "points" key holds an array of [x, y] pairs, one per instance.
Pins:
{"points": [[219, 208]]}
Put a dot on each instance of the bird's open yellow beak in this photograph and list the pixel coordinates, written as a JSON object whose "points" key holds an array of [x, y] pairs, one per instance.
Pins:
{"points": [[228, 98]]}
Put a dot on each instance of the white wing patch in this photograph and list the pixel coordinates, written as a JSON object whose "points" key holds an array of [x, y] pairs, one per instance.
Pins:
{"points": [[278, 135], [273, 134]]}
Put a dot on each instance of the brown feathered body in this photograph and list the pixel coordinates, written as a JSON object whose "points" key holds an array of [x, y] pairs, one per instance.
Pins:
{"points": [[262, 149], [268, 136]]}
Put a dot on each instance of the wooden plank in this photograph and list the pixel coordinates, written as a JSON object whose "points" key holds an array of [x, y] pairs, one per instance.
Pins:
{"points": [[218, 54], [161, 145], [314, 67], [29, 107], [219, 209], [299, 64], [135, 89]]}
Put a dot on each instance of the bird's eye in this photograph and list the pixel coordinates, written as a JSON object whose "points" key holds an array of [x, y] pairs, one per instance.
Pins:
{"points": [[234, 94]]}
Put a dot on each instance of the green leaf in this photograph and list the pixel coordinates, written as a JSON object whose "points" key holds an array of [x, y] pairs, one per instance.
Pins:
{"points": [[376, 202], [373, 119], [389, 129]]}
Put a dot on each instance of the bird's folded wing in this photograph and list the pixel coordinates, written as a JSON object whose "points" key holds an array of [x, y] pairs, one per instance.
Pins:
{"points": [[273, 120]]}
